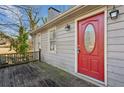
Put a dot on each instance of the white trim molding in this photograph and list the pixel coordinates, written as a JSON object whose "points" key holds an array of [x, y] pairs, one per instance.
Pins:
{"points": [[90, 79]]}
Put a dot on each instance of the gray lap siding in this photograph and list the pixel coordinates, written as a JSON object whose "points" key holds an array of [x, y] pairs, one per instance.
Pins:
{"points": [[65, 55], [115, 39]]}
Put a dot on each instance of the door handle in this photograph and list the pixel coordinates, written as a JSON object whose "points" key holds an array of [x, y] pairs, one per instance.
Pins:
{"points": [[78, 50]]}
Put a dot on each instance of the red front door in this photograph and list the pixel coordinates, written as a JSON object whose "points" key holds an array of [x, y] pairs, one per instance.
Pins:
{"points": [[91, 46]]}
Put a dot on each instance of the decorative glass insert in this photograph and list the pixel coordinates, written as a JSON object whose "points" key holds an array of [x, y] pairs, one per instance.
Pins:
{"points": [[89, 38]]}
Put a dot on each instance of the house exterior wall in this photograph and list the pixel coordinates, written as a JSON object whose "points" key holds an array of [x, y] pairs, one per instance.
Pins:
{"points": [[64, 57], [115, 39], [5, 48]]}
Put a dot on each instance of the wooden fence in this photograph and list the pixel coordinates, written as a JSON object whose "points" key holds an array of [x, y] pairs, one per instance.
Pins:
{"points": [[16, 58]]}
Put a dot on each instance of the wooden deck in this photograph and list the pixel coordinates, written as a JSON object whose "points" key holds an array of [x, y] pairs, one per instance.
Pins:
{"points": [[38, 75]]}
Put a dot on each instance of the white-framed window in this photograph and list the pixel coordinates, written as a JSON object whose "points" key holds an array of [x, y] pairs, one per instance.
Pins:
{"points": [[52, 40]]}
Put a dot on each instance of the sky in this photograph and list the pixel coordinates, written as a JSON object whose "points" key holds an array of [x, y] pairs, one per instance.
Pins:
{"points": [[44, 9], [9, 17]]}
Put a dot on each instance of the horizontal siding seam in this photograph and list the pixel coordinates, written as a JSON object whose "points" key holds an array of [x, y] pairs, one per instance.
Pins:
{"points": [[116, 80], [115, 22], [115, 29], [115, 58], [62, 32], [115, 44], [65, 37], [116, 73], [115, 37], [66, 33], [115, 65], [116, 51]]}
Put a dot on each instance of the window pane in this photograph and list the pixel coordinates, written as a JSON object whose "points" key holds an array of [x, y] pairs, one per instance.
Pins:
{"points": [[52, 40], [89, 38], [51, 35], [51, 46], [54, 35]]}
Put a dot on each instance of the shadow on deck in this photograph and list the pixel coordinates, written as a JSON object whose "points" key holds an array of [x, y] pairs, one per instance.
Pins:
{"points": [[38, 75]]}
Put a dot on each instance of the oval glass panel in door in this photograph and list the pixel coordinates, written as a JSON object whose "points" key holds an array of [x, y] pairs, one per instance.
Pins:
{"points": [[89, 38]]}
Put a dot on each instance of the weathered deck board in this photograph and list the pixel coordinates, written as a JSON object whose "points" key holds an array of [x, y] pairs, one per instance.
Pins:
{"points": [[38, 75]]}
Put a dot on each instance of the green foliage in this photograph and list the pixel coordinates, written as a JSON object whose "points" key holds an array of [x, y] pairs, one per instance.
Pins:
{"points": [[20, 42]]}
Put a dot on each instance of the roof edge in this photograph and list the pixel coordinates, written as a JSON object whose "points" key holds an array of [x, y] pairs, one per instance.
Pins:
{"points": [[59, 16]]}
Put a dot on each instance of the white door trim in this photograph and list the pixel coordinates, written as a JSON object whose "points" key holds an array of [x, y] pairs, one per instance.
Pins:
{"points": [[88, 14]]}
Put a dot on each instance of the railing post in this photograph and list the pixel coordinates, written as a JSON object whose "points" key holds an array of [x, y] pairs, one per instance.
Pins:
{"points": [[40, 55]]}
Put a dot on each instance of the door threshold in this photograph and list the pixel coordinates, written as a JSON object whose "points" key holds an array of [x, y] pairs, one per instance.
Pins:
{"points": [[91, 80]]}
